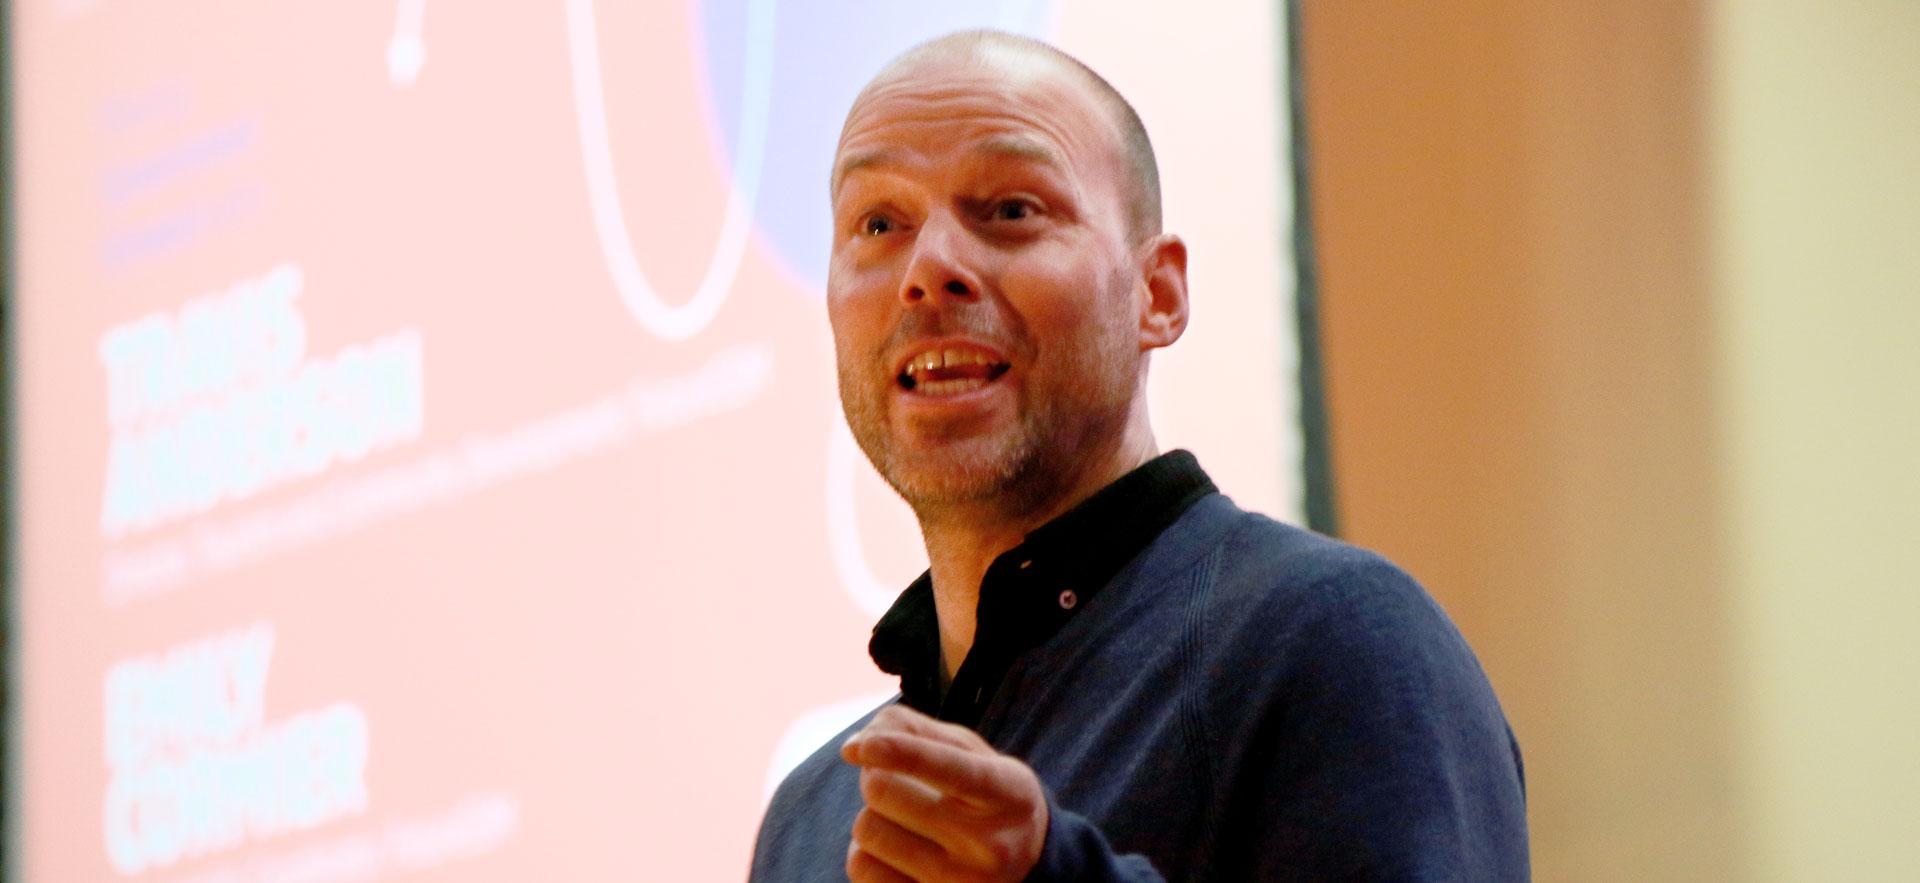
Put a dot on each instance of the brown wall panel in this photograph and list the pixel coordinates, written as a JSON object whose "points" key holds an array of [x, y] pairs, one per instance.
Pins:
{"points": [[1507, 201]]}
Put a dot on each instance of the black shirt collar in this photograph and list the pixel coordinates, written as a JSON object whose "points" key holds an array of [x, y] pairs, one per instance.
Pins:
{"points": [[1031, 590]]}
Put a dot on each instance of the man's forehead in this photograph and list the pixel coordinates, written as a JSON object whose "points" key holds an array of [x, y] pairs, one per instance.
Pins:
{"points": [[1020, 147], [1013, 104]]}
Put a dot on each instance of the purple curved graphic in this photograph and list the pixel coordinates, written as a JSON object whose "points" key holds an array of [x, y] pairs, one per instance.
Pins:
{"points": [[824, 51]]}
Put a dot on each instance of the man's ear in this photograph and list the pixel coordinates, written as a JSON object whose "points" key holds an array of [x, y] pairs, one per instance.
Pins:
{"points": [[1163, 305]]}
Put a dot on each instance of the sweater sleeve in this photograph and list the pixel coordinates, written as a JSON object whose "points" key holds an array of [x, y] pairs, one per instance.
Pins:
{"points": [[1370, 744], [1076, 850]]}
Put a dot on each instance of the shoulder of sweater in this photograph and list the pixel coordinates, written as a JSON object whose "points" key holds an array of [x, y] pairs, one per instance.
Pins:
{"points": [[807, 823], [1260, 554], [816, 777], [1265, 576]]}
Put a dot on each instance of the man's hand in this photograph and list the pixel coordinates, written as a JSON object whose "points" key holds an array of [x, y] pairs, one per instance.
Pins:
{"points": [[941, 804]]}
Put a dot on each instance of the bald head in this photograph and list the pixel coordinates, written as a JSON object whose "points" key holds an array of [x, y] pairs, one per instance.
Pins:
{"points": [[999, 50]]}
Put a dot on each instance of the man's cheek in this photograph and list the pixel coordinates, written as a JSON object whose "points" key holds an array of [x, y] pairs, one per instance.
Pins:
{"points": [[852, 341]]}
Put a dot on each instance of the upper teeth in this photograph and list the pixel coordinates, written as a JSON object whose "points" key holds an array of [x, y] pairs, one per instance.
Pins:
{"points": [[932, 359]]}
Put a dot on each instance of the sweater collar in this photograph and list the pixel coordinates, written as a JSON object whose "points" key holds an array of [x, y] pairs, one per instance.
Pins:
{"points": [[1033, 589]]}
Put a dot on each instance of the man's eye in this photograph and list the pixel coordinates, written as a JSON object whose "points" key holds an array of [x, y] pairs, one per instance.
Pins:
{"points": [[876, 225], [1012, 210]]}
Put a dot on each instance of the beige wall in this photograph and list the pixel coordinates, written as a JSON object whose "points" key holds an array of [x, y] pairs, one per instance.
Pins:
{"points": [[1816, 186], [1621, 328]]}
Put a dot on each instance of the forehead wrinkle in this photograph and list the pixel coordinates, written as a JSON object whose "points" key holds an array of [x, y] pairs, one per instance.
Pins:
{"points": [[1018, 146], [994, 120], [1018, 70], [866, 159], [1021, 146], [988, 104]]}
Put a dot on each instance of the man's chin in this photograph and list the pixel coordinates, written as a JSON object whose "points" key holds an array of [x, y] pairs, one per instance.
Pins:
{"points": [[973, 471]]}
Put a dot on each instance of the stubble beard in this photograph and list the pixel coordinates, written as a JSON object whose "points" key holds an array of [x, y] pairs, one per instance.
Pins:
{"points": [[949, 474], [1013, 470]]}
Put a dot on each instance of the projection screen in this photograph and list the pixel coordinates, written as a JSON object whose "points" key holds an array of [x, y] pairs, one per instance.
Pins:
{"points": [[426, 457]]}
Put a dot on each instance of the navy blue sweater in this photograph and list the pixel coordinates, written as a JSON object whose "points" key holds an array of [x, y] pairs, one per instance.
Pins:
{"points": [[1243, 700]]}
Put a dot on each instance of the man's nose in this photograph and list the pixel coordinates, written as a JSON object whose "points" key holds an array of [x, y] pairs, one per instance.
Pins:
{"points": [[942, 265]]}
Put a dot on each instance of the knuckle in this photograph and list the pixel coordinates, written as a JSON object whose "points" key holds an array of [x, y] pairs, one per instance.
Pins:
{"points": [[959, 812], [876, 742], [981, 778], [874, 786], [863, 827]]}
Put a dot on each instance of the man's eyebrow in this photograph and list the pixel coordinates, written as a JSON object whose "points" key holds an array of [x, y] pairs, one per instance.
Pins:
{"points": [[864, 159], [1021, 147], [1017, 147]]}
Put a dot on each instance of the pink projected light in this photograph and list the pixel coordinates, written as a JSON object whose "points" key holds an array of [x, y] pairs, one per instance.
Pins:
{"points": [[429, 464]]}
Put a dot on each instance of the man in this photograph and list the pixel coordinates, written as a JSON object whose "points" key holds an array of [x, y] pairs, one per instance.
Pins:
{"points": [[1109, 672]]}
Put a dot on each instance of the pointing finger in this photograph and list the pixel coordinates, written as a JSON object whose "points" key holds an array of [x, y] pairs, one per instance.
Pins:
{"points": [[900, 718], [977, 776]]}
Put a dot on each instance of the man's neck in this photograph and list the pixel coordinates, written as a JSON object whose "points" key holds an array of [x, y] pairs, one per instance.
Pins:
{"points": [[963, 543]]}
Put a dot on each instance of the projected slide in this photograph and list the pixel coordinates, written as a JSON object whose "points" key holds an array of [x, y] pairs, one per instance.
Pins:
{"points": [[428, 460]]}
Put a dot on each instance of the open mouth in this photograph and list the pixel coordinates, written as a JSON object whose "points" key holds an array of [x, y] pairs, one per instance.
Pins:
{"points": [[950, 371]]}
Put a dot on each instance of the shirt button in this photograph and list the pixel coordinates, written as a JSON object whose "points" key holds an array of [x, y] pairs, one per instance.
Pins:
{"points": [[1068, 600], [1026, 564]]}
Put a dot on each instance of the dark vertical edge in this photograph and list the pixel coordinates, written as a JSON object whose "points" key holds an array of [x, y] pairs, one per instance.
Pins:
{"points": [[1316, 454], [9, 570]]}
